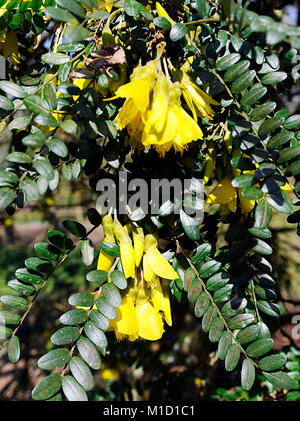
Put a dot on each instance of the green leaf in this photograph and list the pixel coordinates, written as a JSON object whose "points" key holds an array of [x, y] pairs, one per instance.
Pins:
{"points": [[36, 104], [88, 352], [33, 140], [236, 70], [44, 168], [234, 306], [6, 104], [54, 359], [75, 228], [6, 197], [217, 281], [75, 33], [209, 269], [243, 81], [105, 308], [72, 6], [201, 8], [25, 275], [178, 31], [99, 276], [74, 317], [280, 139], [270, 125], [162, 23], [292, 122], [94, 217], [224, 345], [223, 294], [260, 247], [226, 61], [82, 299], [87, 251], [244, 180], [60, 240], [216, 330], [270, 309], [253, 95], [19, 158], [202, 304], [260, 347], [38, 265], [132, 7], [261, 111], [288, 153], [111, 294], [247, 374], [208, 318], [118, 278], [11, 88], [279, 379], [20, 287], [72, 390], [69, 126], [59, 14], [261, 233], [47, 387], [100, 321], [13, 301], [232, 357], [272, 362], [81, 373], [190, 226], [194, 290], [96, 336], [13, 349], [202, 252], [55, 58], [249, 334], [273, 78], [263, 214], [45, 120], [48, 251], [189, 276], [252, 193], [5, 332], [111, 249], [58, 147], [65, 335], [241, 321], [8, 317]]}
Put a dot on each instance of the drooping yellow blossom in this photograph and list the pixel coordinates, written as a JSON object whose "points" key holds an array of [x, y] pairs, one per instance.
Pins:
{"points": [[154, 263], [105, 261], [152, 111], [148, 273], [197, 100], [139, 314], [126, 249]]}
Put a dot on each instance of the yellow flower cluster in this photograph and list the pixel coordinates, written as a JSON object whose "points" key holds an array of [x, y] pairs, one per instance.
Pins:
{"points": [[148, 272], [152, 112]]}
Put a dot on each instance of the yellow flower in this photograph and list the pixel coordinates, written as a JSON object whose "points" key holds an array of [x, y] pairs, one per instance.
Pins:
{"points": [[139, 314], [197, 100], [126, 249], [152, 112], [148, 272], [105, 261]]}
